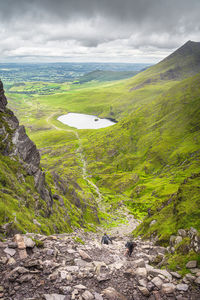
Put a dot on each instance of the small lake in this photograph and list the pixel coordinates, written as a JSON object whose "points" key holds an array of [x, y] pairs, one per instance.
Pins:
{"points": [[82, 121]]}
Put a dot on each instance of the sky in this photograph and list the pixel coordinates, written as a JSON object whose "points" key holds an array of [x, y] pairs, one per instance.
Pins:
{"points": [[136, 31]]}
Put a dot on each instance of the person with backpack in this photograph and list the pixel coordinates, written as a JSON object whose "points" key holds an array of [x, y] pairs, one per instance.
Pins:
{"points": [[106, 239], [130, 246]]}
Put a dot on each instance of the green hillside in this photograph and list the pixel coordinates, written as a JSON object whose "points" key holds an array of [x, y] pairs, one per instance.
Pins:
{"points": [[149, 160]]}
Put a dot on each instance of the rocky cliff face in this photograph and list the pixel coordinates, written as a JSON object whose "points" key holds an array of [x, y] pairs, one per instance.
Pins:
{"points": [[15, 143]]}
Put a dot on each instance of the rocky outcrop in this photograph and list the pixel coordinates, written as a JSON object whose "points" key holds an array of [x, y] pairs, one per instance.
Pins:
{"points": [[14, 142]]}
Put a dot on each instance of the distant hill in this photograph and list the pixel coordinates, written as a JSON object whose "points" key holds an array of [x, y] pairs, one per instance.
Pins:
{"points": [[100, 75]]}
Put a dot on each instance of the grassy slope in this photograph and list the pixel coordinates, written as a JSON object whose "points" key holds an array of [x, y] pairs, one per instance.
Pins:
{"points": [[142, 160], [148, 155]]}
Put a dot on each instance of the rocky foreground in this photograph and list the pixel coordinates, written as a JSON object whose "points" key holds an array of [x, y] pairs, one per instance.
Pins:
{"points": [[77, 266]]}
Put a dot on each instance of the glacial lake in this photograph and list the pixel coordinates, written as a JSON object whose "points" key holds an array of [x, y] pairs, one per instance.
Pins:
{"points": [[82, 121]]}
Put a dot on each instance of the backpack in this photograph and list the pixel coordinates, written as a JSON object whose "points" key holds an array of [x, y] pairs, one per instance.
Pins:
{"points": [[105, 240]]}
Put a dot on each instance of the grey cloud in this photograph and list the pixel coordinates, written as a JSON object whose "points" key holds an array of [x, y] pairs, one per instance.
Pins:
{"points": [[147, 25]]}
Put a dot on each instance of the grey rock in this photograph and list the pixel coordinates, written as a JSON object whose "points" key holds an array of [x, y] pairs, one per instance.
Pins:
{"points": [[176, 275], [97, 296], [111, 294], [182, 232], [168, 288], [153, 222], [87, 295], [80, 287], [191, 264], [65, 289], [85, 256], [182, 287], [156, 272], [141, 272], [54, 297], [157, 282], [190, 277], [143, 290], [10, 251], [36, 223], [140, 263], [12, 245], [178, 240], [197, 281], [29, 243]]}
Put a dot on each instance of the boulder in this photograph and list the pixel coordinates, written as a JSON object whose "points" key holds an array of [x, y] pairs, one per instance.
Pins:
{"points": [[156, 272], [182, 232], [191, 264], [139, 263], [176, 275], [168, 288], [29, 243], [182, 287], [143, 290], [141, 272], [178, 239], [197, 281], [112, 294], [85, 256], [87, 295], [157, 282], [10, 251]]}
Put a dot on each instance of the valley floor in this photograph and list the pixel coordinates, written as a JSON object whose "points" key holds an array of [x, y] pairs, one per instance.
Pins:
{"points": [[77, 266]]}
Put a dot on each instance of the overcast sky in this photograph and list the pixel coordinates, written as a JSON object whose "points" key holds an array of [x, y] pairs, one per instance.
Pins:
{"points": [[95, 30]]}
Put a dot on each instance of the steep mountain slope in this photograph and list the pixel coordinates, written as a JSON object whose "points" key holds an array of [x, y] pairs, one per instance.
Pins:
{"points": [[147, 157], [24, 193]]}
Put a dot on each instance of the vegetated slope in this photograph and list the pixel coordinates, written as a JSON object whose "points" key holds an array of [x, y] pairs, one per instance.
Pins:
{"points": [[149, 155], [24, 193], [100, 75]]}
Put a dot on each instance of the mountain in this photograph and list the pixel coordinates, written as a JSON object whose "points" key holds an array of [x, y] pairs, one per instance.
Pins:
{"points": [[150, 158], [182, 63], [26, 200]]}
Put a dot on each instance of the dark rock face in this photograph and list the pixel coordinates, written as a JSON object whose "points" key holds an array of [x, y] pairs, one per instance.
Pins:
{"points": [[15, 142]]}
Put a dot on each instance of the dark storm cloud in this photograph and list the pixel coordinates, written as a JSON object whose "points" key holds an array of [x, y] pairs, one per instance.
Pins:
{"points": [[121, 25]]}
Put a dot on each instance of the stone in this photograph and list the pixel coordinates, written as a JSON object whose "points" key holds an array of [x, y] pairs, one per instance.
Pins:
{"points": [[11, 261], [10, 251], [140, 263], [172, 240], [112, 294], [157, 282], [156, 272], [12, 245], [175, 275], [85, 256], [4, 259], [143, 290], [191, 264], [168, 288], [150, 286], [25, 278], [36, 223], [152, 222], [141, 272], [72, 269], [80, 287], [1, 289], [142, 282], [97, 296], [129, 272], [182, 287], [87, 295], [23, 254], [182, 232], [190, 277], [54, 297], [197, 281], [18, 238], [178, 240], [66, 289], [29, 243], [157, 295]]}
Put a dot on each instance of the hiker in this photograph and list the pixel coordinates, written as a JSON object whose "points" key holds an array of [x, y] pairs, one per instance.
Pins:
{"points": [[106, 239], [130, 246]]}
